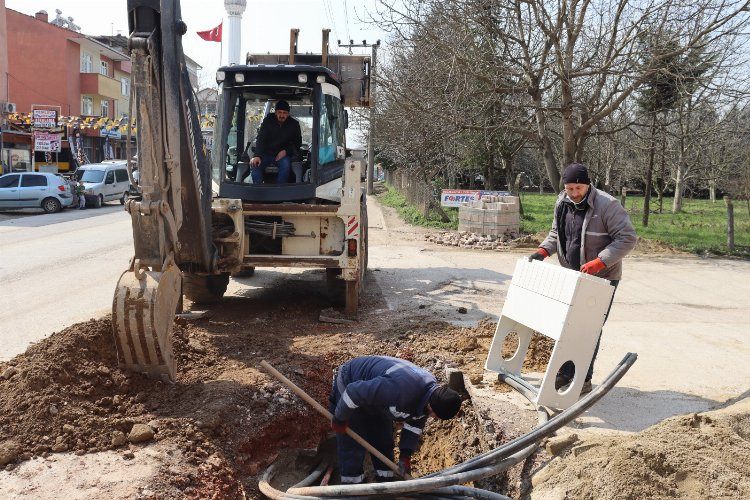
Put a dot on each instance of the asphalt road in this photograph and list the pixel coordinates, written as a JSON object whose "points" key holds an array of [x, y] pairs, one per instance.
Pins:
{"points": [[58, 269]]}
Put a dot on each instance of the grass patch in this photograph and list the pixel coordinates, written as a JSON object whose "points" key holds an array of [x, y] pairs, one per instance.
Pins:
{"points": [[413, 215], [700, 227]]}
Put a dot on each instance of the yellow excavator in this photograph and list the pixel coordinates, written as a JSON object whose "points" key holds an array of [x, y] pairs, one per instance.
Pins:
{"points": [[197, 217]]}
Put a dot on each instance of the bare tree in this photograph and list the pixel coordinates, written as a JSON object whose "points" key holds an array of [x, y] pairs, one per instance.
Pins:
{"points": [[575, 62]]}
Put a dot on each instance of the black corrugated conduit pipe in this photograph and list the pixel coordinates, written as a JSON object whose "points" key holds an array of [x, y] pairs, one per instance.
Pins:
{"points": [[479, 467]]}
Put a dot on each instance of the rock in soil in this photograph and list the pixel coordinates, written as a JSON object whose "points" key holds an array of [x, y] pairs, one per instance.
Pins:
{"points": [[557, 444], [140, 433], [9, 451]]}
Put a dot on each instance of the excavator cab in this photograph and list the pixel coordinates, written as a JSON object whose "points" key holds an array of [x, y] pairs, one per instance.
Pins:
{"points": [[247, 95]]}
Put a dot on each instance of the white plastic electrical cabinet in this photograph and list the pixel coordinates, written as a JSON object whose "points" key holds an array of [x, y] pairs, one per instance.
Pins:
{"points": [[564, 305]]}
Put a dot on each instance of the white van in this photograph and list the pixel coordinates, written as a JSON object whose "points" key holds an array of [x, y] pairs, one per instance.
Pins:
{"points": [[106, 181]]}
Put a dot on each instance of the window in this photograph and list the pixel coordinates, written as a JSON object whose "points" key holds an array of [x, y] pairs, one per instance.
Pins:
{"points": [[88, 175], [110, 179], [331, 138], [9, 181], [31, 180], [104, 68], [125, 86], [87, 63], [87, 106], [105, 108], [122, 176]]}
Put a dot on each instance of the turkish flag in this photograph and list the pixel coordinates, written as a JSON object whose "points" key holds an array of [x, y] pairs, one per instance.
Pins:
{"points": [[213, 35]]}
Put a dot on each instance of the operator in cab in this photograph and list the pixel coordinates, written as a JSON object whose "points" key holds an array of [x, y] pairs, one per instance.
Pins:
{"points": [[279, 140]]}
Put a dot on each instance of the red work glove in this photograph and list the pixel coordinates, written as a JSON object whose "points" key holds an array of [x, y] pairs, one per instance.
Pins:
{"points": [[540, 254], [593, 266], [404, 466], [338, 426]]}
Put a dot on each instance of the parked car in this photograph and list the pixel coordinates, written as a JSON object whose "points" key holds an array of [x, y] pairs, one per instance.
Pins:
{"points": [[35, 189], [106, 181]]}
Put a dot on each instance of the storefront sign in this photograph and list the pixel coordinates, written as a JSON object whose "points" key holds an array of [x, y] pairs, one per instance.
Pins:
{"points": [[112, 134], [44, 118], [44, 141]]}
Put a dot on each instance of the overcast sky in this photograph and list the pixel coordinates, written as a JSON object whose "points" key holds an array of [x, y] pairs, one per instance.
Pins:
{"points": [[265, 23]]}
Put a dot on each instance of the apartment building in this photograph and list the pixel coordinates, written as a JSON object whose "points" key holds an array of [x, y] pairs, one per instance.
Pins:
{"points": [[50, 63]]}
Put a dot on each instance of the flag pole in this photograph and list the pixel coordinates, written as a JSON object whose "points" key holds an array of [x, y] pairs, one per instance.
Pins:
{"points": [[221, 42]]}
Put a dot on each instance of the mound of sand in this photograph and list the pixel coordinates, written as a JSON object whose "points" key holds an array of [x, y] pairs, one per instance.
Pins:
{"points": [[704, 455]]}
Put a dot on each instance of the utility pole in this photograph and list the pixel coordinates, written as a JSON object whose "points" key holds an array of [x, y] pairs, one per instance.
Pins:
{"points": [[373, 65]]}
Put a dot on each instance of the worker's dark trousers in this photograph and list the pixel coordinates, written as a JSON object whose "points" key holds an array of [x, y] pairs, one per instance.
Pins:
{"points": [[376, 430], [568, 368]]}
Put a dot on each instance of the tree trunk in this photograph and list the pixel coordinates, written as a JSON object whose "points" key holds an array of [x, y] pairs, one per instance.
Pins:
{"points": [[489, 180], [662, 180], [679, 182], [553, 174], [510, 177], [679, 189], [712, 190], [649, 172]]}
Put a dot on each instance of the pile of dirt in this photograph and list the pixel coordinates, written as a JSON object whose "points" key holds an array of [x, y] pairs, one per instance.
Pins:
{"points": [[226, 418], [650, 247], [705, 455], [67, 394], [449, 442]]}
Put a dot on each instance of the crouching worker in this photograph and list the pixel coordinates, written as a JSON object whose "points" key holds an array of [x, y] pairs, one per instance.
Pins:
{"points": [[371, 392]]}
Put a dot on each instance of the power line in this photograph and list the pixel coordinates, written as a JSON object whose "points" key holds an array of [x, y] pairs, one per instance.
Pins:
{"points": [[346, 18], [331, 16]]}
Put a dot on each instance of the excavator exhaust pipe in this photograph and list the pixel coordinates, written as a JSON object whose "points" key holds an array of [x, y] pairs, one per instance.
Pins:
{"points": [[143, 311]]}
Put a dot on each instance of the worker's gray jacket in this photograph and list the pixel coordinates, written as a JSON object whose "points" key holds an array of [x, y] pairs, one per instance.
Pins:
{"points": [[391, 387], [607, 233]]}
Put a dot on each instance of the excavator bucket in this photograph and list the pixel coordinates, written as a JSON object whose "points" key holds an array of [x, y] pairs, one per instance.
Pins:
{"points": [[143, 312]]}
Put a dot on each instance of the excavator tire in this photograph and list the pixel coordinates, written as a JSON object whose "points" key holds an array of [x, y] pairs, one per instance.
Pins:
{"points": [[204, 289]]}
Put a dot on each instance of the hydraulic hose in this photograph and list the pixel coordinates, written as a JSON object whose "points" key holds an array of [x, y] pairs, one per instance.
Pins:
{"points": [[481, 466]]}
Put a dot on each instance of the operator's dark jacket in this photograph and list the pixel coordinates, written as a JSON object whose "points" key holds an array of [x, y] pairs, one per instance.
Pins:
{"points": [[273, 137], [391, 387], [606, 233]]}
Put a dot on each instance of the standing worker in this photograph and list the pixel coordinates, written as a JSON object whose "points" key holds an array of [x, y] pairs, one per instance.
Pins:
{"points": [[591, 232], [371, 392]]}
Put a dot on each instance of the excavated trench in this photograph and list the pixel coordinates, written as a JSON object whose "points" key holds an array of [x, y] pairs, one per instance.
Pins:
{"points": [[224, 420]]}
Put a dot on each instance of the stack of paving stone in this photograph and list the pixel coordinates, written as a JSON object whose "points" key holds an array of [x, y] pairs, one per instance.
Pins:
{"points": [[490, 216]]}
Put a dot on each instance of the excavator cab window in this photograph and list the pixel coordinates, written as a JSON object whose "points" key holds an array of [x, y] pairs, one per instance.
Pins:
{"points": [[249, 112], [247, 98]]}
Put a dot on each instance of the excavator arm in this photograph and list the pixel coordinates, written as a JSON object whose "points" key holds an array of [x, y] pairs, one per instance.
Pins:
{"points": [[171, 215]]}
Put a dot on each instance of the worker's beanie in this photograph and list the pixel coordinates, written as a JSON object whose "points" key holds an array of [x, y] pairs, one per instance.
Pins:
{"points": [[576, 173], [445, 402], [282, 106]]}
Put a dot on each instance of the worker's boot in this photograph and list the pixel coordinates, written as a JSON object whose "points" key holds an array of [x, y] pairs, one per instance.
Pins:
{"points": [[562, 382], [587, 387]]}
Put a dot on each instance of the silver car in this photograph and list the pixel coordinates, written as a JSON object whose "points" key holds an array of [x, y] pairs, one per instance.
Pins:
{"points": [[35, 190]]}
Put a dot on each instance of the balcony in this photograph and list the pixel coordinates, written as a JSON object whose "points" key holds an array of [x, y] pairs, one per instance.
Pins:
{"points": [[96, 84]]}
